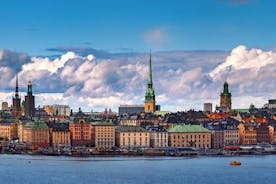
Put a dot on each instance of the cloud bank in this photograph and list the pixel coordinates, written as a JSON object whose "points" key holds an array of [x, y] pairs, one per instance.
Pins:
{"points": [[182, 79]]}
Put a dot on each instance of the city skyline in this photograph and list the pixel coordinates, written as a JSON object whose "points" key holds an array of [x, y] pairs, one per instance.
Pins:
{"points": [[94, 60]]}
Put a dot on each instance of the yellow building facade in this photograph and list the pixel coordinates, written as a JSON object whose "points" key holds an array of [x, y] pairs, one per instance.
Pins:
{"points": [[189, 136], [103, 135], [132, 137]]}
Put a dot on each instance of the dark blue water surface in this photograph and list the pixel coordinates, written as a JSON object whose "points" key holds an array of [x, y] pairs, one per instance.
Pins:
{"points": [[201, 170]]}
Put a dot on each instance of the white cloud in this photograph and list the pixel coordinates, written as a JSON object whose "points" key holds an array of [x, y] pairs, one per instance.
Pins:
{"points": [[182, 79], [40, 64]]}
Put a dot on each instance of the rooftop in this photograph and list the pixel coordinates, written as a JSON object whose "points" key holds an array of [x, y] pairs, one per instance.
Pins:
{"points": [[130, 129], [36, 125], [187, 129], [102, 123]]}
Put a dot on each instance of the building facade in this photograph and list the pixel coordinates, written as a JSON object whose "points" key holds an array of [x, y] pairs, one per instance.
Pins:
{"points": [[59, 134], [103, 135], [159, 138], [81, 133], [189, 136], [247, 134], [231, 136], [132, 137], [36, 133], [217, 139], [265, 134]]}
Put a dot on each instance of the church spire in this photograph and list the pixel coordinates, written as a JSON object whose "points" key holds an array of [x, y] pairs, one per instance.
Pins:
{"points": [[150, 73], [150, 95]]}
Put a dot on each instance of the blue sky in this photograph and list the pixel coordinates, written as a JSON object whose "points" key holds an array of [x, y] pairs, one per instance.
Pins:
{"points": [[117, 26], [77, 52]]}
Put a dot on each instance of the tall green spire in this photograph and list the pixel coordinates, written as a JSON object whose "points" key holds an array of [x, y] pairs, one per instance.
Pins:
{"points": [[150, 95], [150, 73]]}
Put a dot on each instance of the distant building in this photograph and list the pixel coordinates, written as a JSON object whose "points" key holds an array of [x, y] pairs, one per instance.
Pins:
{"points": [[103, 135], [16, 101], [59, 134], [131, 109], [271, 104], [225, 98], [132, 137], [58, 110], [134, 109], [189, 136], [149, 104], [29, 107], [5, 106], [208, 107]]}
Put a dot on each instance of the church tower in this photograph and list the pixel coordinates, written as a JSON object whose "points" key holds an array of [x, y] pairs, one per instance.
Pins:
{"points": [[225, 98], [16, 101], [149, 105], [29, 107]]}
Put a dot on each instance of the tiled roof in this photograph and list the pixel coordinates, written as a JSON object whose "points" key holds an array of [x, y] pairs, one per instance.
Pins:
{"points": [[187, 129]]}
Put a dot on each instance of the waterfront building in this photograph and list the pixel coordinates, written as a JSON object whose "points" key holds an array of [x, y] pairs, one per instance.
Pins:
{"points": [[36, 133], [265, 134], [217, 137], [16, 101], [59, 134], [132, 137], [29, 106], [225, 98], [247, 134], [159, 137], [231, 135], [208, 107], [81, 132], [189, 136], [149, 104], [103, 135]]}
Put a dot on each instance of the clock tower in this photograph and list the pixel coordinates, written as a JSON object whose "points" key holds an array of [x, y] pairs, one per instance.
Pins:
{"points": [[149, 105]]}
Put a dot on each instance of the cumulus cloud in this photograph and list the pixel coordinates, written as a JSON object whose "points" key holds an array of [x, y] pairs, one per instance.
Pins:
{"points": [[182, 79]]}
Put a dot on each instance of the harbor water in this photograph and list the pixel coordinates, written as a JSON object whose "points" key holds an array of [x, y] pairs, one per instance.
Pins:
{"points": [[18, 169]]}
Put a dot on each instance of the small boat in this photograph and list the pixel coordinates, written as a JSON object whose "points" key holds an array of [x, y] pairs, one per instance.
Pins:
{"points": [[235, 163]]}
